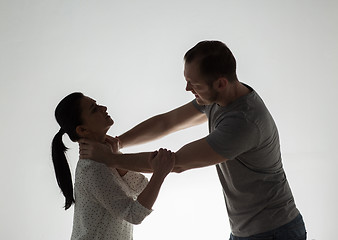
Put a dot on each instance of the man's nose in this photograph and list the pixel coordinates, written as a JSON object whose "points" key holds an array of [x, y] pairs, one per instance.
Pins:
{"points": [[188, 87]]}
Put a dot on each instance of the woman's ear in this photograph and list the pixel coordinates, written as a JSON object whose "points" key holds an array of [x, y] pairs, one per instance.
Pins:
{"points": [[81, 131]]}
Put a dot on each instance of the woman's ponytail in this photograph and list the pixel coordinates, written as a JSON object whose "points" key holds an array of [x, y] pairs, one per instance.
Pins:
{"points": [[68, 116], [61, 167]]}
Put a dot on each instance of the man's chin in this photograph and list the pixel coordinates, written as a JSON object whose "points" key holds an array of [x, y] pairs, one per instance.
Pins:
{"points": [[200, 101]]}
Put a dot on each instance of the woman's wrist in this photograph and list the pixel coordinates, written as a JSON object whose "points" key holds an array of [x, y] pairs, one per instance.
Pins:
{"points": [[159, 175]]}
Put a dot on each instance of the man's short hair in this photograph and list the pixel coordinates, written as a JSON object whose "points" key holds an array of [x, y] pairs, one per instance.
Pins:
{"points": [[215, 60]]}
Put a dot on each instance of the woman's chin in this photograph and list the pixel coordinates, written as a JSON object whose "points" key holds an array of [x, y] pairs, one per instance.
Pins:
{"points": [[110, 120]]}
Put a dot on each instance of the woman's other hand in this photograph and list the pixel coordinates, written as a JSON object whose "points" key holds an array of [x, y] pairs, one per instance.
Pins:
{"points": [[162, 161]]}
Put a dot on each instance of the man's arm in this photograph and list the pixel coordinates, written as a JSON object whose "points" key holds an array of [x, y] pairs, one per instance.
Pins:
{"points": [[196, 154], [162, 125], [193, 155]]}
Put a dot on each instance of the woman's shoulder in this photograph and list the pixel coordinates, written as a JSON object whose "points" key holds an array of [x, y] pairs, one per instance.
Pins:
{"points": [[88, 171], [90, 166], [88, 162]]}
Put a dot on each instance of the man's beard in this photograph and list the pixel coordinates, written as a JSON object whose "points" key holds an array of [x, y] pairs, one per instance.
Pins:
{"points": [[210, 100]]}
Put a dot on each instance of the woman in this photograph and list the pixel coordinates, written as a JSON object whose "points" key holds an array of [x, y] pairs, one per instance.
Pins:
{"points": [[107, 201]]}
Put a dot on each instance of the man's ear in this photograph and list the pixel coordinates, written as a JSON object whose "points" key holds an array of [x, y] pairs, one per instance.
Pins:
{"points": [[81, 131], [221, 83]]}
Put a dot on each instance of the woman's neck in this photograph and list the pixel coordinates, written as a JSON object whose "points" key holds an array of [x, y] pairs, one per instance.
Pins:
{"points": [[97, 137]]}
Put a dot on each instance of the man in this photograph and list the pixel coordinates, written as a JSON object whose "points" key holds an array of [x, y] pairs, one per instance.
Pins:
{"points": [[243, 144]]}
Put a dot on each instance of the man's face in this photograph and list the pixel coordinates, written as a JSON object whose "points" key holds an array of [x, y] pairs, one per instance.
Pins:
{"points": [[196, 83]]}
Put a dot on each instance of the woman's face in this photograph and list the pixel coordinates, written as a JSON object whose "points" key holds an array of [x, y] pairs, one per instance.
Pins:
{"points": [[96, 121]]}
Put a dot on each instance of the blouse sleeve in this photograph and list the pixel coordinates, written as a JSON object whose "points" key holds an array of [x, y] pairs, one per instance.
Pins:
{"points": [[135, 181], [102, 184]]}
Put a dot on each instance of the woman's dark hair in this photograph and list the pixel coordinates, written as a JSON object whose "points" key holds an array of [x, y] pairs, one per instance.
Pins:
{"points": [[68, 116], [215, 60]]}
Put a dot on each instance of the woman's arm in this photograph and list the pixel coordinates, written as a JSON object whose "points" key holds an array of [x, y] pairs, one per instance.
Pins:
{"points": [[103, 186], [136, 182], [162, 163]]}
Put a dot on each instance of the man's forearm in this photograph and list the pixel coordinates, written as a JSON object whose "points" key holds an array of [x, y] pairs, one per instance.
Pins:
{"points": [[137, 162], [163, 124], [149, 130], [196, 154]]}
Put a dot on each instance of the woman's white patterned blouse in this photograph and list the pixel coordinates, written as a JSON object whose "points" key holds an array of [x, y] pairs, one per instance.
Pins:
{"points": [[105, 203]]}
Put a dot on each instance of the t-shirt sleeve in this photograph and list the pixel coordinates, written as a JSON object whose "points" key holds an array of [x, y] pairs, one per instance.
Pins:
{"points": [[102, 185], [233, 137]]}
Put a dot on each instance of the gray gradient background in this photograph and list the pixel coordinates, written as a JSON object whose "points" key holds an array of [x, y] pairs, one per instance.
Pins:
{"points": [[128, 56]]}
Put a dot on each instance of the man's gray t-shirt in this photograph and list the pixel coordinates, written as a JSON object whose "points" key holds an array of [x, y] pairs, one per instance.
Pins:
{"points": [[257, 195]]}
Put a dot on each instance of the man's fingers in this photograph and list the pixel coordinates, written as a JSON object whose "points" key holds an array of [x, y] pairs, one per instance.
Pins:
{"points": [[85, 141], [83, 154], [84, 146], [83, 151]]}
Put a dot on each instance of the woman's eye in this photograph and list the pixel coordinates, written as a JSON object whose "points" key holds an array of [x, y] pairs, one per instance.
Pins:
{"points": [[95, 109]]}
